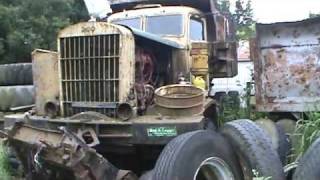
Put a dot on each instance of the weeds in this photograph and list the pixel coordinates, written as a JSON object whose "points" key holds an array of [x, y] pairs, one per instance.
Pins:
{"points": [[307, 131], [5, 170], [232, 108]]}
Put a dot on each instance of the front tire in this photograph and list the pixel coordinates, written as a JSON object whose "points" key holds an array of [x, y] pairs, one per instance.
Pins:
{"points": [[198, 155]]}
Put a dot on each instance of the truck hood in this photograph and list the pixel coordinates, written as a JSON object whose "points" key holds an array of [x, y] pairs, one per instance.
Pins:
{"points": [[156, 38]]}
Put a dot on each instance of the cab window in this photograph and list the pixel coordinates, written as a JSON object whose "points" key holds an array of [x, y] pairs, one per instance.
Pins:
{"points": [[133, 23], [196, 29], [165, 25]]}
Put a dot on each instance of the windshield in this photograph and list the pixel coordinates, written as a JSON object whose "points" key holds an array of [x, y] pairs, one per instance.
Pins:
{"points": [[165, 25], [133, 23]]}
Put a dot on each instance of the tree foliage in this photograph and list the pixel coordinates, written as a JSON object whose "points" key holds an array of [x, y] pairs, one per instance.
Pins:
{"points": [[313, 15], [242, 17], [29, 24]]}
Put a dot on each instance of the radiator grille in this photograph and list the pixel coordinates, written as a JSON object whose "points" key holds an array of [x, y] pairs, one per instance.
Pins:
{"points": [[90, 73]]}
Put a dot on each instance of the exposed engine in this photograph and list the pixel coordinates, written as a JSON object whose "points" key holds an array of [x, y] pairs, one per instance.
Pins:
{"points": [[106, 72], [145, 81]]}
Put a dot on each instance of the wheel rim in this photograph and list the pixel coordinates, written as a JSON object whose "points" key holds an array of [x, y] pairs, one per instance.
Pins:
{"points": [[213, 169]]}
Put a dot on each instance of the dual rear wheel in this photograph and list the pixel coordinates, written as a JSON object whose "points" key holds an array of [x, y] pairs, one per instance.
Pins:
{"points": [[198, 155], [233, 154]]}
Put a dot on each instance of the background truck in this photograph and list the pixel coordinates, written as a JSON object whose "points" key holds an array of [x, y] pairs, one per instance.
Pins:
{"points": [[112, 86], [286, 75], [286, 57]]}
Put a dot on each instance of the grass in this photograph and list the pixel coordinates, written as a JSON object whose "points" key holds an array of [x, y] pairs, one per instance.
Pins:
{"points": [[307, 131], [5, 170], [230, 108]]}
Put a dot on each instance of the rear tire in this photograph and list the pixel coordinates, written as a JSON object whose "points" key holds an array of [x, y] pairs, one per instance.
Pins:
{"points": [[254, 150], [279, 139], [289, 127], [271, 130], [284, 147], [185, 157], [308, 167]]}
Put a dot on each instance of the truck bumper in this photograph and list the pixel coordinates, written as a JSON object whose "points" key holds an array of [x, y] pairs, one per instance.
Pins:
{"points": [[145, 130], [60, 154], [68, 147]]}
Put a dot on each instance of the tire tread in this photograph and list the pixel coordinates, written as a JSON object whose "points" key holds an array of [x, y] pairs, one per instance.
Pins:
{"points": [[308, 167], [255, 145]]}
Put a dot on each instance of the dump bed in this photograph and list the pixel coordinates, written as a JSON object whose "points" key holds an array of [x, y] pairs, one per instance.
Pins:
{"points": [[287, 66]]}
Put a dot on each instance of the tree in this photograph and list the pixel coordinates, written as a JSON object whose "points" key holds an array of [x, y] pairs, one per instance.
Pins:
{"points": [[242, 17], [30, 24], [224, 6], [313, 15]]}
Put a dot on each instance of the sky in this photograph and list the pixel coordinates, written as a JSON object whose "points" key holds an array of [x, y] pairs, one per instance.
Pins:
{"points": [[268, 11]]}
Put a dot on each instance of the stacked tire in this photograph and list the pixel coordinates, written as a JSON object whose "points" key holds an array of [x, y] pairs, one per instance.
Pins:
{"points": [[16, 86], [240, 150]]}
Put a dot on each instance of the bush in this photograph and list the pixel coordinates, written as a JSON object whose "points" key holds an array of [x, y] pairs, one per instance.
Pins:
{"points": [[5, 170]]}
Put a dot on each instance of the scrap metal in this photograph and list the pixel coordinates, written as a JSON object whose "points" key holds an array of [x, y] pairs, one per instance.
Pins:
{"points": [[55, 154]]}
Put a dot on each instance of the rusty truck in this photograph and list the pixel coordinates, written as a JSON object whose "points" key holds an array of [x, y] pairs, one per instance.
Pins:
{"points": [[118, 100], [286, 66], [286, 62]]}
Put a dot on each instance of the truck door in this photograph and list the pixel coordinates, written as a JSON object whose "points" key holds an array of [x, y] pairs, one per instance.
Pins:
{"points": [[199, 49]]}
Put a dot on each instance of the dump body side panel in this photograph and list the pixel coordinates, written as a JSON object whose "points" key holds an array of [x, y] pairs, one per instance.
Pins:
{"points": [[287, 66]]}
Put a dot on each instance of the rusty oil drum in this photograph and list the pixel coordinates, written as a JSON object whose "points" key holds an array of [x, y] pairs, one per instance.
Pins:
{"points": [[179, 100]]}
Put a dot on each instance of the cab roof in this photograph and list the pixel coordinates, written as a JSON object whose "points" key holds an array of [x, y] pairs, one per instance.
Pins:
{"points": [[206, 6], [152, 12]]}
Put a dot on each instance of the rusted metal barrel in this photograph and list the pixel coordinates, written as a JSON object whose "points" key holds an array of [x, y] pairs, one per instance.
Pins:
{"points": [[179, 100]]}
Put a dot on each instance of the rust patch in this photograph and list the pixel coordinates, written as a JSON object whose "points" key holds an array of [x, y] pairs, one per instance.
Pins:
{"points": [[287, 72]]}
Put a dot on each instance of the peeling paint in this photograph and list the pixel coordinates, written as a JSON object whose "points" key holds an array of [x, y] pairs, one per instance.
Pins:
{"points": [[287, 66]]}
